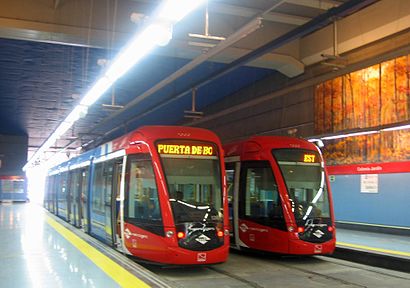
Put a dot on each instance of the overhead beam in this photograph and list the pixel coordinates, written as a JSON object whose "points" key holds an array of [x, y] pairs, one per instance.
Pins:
{"points": [[56, 33], [286, 64], [286, 18], [385, 18], [251, 12], [96, 38], [317, 4]]}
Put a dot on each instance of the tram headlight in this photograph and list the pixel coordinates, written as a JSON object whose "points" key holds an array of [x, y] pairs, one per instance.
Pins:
{"points": [[291, 229], [169, 234]]}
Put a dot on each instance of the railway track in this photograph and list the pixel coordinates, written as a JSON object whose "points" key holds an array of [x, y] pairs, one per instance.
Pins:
{"points": [[259, 271]]}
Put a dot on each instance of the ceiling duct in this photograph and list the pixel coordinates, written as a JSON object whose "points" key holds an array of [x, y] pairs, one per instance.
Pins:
{"points": [[319, 22]]}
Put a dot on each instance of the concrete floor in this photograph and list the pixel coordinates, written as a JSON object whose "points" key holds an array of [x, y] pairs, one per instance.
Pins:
{"points": [[34, 253]]}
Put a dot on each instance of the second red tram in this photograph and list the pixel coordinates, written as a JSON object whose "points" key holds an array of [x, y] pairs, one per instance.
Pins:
{"points": [[279, 196], [157, 193]]}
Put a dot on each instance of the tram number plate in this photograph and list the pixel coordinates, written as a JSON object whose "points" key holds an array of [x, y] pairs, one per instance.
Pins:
{"points": [[318, 248], [201, 257]]}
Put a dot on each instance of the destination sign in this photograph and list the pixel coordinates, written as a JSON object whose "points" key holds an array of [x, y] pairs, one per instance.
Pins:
{"points": [[309, 158], [186, 149]]}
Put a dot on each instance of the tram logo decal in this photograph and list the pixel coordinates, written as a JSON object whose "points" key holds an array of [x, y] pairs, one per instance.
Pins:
{"points": [[203, 239], [310, 225], [191, 228], [243, 227], [128, 234], [258, 229], [318, 233]]}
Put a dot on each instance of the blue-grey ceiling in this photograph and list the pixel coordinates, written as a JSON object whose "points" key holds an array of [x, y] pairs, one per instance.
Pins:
{"points": [[40, 82]]}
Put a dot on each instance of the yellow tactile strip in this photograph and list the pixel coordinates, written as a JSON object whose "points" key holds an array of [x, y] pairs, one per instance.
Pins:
{"points": [[120, 275]]}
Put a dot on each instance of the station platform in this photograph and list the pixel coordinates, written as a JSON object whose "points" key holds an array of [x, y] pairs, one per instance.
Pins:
{"points": [[373, 248], [38, 250]]}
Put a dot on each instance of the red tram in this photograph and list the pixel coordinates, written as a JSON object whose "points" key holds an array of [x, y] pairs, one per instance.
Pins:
{"points": [[279, 196], [157, 193]]}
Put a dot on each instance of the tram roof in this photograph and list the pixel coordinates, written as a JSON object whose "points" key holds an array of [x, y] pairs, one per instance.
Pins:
{"points": [[257, 144]]}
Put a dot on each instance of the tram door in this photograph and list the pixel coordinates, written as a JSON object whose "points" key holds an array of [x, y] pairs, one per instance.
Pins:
{"points": [[83, 199], [62, 196], [103, 215], [100, 213], [52, 194], [115, 202], [71, 197], [74, 197], [232, 179]]}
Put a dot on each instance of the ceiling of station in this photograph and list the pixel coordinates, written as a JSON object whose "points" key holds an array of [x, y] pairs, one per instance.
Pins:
{"points": [[52, 51]]}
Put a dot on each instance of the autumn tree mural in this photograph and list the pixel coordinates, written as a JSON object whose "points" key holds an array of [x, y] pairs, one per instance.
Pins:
{"points": [[371, 97]]}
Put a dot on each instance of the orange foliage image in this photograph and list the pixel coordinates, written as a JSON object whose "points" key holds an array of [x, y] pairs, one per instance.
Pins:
{"points": [[370, 97]]}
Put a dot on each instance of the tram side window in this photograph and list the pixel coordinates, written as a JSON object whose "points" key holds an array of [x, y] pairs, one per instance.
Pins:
{"points": [[46, 191], [102, 186], [56, 179], [84, 183], [108, 179], [261, 196], [74, 184], [50, 193], [142, 202], [62, 192]]}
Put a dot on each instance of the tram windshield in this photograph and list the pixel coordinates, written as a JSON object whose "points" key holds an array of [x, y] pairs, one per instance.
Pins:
{"points": [[304, 176], [193, 175]]}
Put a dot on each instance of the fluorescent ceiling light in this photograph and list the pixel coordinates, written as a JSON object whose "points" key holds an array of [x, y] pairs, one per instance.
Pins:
{"points": [[62, 128], [339, 136], [318, 142], [349, 135], [158, 32], [402, 127], [154, 35], [175, 10], [78, 112], [99, 88]]}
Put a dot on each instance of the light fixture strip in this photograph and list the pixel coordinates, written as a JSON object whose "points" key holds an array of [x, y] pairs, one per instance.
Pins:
{"points": [[157, 32], [349, 135], [402, 127], [353, 134]]}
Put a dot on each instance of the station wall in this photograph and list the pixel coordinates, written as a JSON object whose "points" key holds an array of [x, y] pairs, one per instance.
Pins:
{"points": [[13, 154], [387, 207], [273, 116]]}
